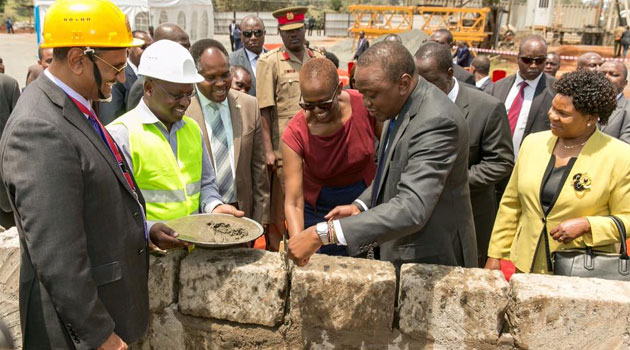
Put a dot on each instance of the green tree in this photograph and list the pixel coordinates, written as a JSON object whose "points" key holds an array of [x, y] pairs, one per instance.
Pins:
{"points": [[335, 5]]}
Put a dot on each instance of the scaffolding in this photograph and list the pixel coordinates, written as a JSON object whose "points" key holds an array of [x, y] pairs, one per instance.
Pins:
{"points": [[380, 20]]}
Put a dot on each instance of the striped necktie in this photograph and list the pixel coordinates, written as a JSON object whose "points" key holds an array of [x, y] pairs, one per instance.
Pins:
{"points": [[221, 154]]}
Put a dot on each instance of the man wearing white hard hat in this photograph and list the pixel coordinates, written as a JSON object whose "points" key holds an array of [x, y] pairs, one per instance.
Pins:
{"points": [[163, 146]]}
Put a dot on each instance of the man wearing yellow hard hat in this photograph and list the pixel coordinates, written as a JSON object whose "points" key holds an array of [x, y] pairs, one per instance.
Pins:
{"points": [[78, 210]]}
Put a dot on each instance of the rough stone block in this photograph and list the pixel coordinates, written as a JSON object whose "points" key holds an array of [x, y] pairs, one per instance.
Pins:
{"points": [[454, 307], [343, 294], [569, 313], [10, 262], [10, 316], [165, 332], [163, 279], [240, 285]]}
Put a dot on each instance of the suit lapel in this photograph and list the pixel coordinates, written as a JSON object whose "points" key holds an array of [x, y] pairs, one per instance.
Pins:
{"points": [[408, 110], [237, 127], [508, 86], [621, 104], [72, 114], [539, 96], [462, 101]]}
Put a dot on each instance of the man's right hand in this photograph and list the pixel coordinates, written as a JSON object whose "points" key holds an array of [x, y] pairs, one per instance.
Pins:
{"points": [[342, 211], [493, 264], [271, 158], [113, 343]]}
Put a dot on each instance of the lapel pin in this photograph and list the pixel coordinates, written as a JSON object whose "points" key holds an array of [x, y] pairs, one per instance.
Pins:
{"points": [[581, 182]]}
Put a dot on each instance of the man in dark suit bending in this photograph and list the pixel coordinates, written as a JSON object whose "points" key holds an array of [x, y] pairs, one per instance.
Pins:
{"points": [[490, 157], [422, 174]]}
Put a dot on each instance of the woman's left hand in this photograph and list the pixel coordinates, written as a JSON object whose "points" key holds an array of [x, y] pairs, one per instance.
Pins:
{"points": [[570, 229]]}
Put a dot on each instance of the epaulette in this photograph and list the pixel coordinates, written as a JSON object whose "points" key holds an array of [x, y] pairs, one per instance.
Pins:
{"points": [[270, 52]]}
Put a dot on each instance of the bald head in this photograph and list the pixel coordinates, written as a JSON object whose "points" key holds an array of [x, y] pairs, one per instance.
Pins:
{"points": [[442, 36], [481, 65], [589, 61], [319, 70], [393, 37], [617, 73], [173, 32], [532, 54], [392, 57], [252, 19]]}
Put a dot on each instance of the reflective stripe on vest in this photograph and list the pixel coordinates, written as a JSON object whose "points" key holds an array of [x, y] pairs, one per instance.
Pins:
{"points": [[170, 185]]}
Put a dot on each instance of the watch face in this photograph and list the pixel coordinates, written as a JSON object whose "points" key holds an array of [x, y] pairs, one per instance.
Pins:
{"points": [[322, 227]]}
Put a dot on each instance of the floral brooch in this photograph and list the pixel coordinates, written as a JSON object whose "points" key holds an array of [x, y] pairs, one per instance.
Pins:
{"points": [[581, 182]]}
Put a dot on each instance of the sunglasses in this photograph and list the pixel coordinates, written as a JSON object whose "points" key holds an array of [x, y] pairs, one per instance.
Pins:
{"points": [[324, 106], [530, 60], [258, 33]]}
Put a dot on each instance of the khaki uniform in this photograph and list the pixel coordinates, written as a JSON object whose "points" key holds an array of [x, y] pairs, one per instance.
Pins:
{"points": [[278, 86]]}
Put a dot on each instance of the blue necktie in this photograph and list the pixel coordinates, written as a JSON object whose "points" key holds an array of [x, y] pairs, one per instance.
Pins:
{"points": [[381, 162]]}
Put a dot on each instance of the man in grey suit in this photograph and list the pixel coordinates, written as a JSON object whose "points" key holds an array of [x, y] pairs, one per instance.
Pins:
{"points": [[253, 37], [417, 210], [9, 94], [491, 157], [528, 94], [619, 122], [168, 31], [79, 215], [445, 37], [480, 69], [108, 111]]}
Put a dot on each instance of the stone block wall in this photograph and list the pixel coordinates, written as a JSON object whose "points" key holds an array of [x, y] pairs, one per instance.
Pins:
{"points": [[248, 299]]}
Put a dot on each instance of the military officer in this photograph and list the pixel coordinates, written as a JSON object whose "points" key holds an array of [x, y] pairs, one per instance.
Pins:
{"points": [[278, 94]]}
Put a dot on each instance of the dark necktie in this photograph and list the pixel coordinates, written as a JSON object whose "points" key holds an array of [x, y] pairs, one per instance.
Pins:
{"points": [[381, 162]]}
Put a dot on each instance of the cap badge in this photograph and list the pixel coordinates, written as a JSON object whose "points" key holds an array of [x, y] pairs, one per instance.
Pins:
{"points": [[290, 16]]}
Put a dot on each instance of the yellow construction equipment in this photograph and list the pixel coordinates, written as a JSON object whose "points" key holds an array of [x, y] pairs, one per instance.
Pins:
{"points": [[466, 24], [380, 20]]}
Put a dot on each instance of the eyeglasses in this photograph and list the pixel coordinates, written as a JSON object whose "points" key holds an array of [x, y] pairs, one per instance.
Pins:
{"points": [[187, 96], [530, 60], [258, 33], [118, 70], [324, 106]]}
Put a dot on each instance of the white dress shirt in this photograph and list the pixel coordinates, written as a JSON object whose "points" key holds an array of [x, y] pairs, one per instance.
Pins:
{"points": [[519, 130], [209, 113], [134, 68], [480, 82], [452, 95]]}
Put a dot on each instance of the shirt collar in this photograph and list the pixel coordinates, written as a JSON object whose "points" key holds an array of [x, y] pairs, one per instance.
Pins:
{"points": [[452, 95], [134, 68], [619, 96], [204, 101], [481, 81], [252, 56], [531, 83], [147, 117], [69, 91]]}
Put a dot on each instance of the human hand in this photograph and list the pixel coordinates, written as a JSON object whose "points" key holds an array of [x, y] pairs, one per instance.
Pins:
{"points": [[493, 264], [342, 211], [271, 158], [303, 245], [570, 229], [113, 343], [228, 209], [165, 237]]}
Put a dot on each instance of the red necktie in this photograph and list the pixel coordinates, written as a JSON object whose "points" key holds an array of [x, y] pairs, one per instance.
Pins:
{"points": [[515, 109], [108, 140]]}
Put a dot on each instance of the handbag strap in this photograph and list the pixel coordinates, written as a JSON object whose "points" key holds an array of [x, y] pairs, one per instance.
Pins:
{"points": [[621, 228]]}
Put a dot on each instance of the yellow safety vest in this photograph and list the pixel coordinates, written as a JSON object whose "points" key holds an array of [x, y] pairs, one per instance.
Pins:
{"points": [[170, 185]]}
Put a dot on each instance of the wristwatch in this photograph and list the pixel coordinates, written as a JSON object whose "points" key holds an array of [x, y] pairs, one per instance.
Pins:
{"points": [[322, 231]]}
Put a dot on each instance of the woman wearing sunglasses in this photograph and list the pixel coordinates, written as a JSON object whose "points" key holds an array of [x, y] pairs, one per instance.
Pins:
{"points": [[328, 149]]}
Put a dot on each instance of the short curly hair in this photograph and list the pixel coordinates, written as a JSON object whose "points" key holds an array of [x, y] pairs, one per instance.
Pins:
{"points": [[592, 93]]}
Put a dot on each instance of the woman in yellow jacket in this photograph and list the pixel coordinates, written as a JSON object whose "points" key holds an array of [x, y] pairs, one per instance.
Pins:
{"points": [[565, 181]]}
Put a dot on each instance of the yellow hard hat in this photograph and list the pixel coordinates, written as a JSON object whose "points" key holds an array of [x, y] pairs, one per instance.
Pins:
{"points": [[91, 23]]}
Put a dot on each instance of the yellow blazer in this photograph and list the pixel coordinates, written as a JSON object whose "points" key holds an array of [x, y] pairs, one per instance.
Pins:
{"points": [[517, 232]]}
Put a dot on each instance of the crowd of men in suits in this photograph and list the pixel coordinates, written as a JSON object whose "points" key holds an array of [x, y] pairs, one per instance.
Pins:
{"points": [[450, 140]]}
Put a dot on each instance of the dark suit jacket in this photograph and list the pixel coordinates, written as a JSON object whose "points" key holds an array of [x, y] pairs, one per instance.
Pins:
{"points": [[135, 93], [365, 44], [8, 99], [84, 261], [108, 111], [491, 156], [252, 184], [537, 119], [239, 58], [487, 86], [423, 212], [619, 122], [463, 75]]}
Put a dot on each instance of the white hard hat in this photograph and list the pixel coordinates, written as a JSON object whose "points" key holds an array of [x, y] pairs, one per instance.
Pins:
{"points": [[169, 61]]}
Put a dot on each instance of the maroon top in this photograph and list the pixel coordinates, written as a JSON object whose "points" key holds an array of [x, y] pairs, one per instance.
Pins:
{"points": [[337, 160]]}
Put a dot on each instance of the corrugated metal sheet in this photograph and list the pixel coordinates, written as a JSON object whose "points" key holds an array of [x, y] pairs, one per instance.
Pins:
{"points": [[222, 21], [337, 24]]}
